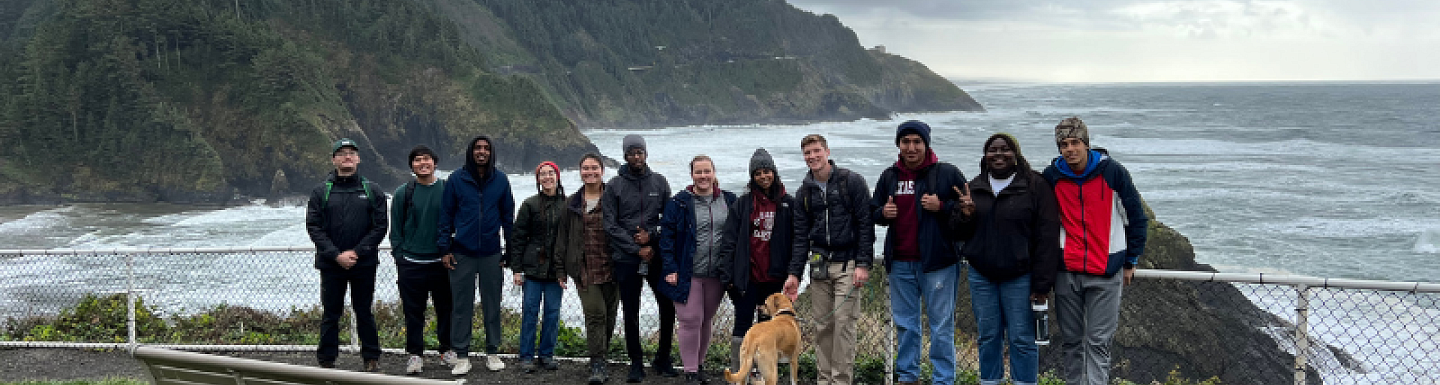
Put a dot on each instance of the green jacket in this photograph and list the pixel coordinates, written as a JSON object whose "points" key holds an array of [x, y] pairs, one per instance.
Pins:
{"points": [[536, 230]]}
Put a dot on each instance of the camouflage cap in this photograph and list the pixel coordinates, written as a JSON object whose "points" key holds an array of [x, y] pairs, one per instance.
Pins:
{"points": [[1072, 127]]}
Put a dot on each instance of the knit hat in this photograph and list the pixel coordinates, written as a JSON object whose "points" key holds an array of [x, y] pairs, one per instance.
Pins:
{"points": [[913, 127], [632, 141], [559, 188], [1072, 127], [761, 161], [343, 142]]}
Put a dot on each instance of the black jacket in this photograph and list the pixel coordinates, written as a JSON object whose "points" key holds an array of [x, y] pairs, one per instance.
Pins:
{"points": [[735, 245], [1013, 234], [937, 249], [634, 200], [350, 220], [537, 229], [837, 221]]}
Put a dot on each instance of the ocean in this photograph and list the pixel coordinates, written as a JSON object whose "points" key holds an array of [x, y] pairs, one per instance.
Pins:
{"points": [[1321, 179]]}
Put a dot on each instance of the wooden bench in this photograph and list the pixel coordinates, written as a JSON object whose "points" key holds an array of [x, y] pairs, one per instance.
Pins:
{"points": [[173, 367]]}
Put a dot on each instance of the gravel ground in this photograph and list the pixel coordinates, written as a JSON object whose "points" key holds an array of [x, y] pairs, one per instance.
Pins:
{"points": [[74, 364]]}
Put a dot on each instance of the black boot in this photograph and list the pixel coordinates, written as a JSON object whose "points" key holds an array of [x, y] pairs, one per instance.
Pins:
{"points": [[692, 378], [664, 368], [597, 372], [637, 373]]}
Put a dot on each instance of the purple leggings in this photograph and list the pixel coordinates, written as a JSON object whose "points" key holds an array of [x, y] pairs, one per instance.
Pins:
{"points": [[694, 318]]}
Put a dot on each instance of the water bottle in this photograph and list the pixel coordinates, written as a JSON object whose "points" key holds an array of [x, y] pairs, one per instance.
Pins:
{"points": [[644, 268], [1041, 310]]}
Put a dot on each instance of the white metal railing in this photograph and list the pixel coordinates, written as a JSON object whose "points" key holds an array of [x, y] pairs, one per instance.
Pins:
{"points": [[18, 262]]}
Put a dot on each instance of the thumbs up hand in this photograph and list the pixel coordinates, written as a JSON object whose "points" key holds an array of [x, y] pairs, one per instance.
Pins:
{"points": [[890, 211]]}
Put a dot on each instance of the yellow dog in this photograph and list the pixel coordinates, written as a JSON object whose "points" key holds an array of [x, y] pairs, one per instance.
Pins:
{"points": [[766, 341]]}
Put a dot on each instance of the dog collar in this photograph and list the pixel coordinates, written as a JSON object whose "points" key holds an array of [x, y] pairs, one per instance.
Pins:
{"points": [[786, 311]]}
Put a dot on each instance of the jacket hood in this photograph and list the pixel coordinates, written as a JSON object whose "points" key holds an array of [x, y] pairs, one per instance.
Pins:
{"points": [[1096, 158], [473, 168]]}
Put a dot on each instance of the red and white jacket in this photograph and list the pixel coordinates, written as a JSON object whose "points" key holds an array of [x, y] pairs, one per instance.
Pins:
{"points": [[1102, 219]]}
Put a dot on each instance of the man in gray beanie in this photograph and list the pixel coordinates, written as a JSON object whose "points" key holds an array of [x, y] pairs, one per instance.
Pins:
{"points": [[1094, 272], [633, 202]]}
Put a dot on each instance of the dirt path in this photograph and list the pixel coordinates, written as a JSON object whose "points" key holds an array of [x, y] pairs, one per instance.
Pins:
{"points": [[75, 364]]}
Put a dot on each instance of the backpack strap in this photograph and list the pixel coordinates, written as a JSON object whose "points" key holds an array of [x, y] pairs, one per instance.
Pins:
{"points": [[325, 200]]}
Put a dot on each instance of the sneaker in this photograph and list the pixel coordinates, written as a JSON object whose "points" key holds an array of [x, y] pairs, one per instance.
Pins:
{"points": [[327, 364], [372, 366], [598, 375], [494, 363], [449, 358], [414, 365], [530, 366], [462, 367], [637, 373], [548, 363], [692, 378]]}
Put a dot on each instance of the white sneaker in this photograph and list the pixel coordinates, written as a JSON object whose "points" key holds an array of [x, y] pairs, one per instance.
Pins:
{"points": [[462, 367], [493, 363], [449, 358], [414, 365]]}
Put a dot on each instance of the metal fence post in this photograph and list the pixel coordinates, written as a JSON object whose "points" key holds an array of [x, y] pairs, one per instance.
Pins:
{"points": [[1302, 336], [130, 299]]}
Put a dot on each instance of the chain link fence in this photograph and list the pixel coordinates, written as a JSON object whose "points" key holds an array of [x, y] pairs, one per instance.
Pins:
{"points": [[1230, 328]]}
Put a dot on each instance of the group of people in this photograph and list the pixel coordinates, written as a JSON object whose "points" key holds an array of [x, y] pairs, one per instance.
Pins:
{"points": [[1074, 232]]}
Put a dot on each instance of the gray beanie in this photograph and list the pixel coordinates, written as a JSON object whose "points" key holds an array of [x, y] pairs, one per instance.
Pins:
{"points": [[761, 160], [1072, 127], [632, 141]]}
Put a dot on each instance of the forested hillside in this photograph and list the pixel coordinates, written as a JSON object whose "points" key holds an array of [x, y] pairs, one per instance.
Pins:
{"points": [[208, 100], [678, 62], [185, 100]]}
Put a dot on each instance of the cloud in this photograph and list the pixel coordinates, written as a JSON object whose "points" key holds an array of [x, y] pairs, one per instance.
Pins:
{"points": [[1131, 40]]}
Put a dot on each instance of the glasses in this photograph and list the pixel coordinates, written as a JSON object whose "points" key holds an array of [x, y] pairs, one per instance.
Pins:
{"points": [[348, 154]]}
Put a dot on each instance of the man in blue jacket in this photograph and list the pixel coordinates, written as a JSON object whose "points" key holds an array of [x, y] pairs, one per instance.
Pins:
{"points": [[913, 198], [346, 220], [475, 206]]}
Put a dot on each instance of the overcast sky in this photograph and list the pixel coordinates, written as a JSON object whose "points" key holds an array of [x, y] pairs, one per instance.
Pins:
{"points": [[1136, 40]]}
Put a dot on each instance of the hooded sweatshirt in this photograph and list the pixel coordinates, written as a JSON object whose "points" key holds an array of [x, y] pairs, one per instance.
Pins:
{"points": [[1102, 217], [907, 207], [473, 211]]}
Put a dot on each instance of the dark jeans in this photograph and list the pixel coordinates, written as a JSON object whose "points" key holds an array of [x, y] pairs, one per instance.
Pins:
{"points": [[418, 282], [631, 283], [361, 281], [745, 305]]}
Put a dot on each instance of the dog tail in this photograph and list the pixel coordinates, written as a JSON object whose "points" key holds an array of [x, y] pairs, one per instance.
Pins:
{"points": [[747, 358]]}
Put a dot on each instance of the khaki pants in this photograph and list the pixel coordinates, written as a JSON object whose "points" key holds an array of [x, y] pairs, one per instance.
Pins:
{"points": [[835, 340]]}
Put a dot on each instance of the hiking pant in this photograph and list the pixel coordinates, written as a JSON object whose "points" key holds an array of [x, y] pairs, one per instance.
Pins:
{"points": [[469, 268], [1087, 307], [835, 339]]}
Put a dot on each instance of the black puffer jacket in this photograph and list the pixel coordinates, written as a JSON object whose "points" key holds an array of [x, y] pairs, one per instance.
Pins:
{"points": [[836, 220], [349, 220]]}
